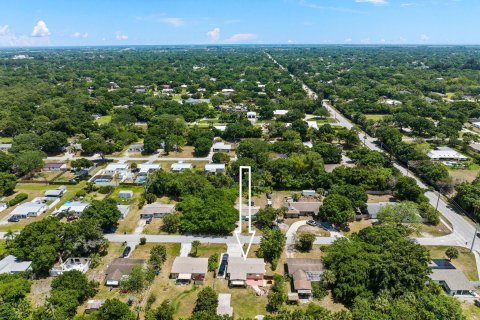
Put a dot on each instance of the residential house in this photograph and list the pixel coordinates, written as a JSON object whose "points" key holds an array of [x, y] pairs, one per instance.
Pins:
{"points": [[374, 208], [136, 147], [93, 305], [446, 154], [187, 269], [220, 128], [124, 209], [139, 89], [72, 207], [221, 147], [55, 166], [280, 113], [227, 92], [29, 209], [156, 210], [197, 101], [79, 264], [476, 124], [180, 166], [5, 146], [10, 264], [55, 193], [215, 167], [309, 193], [242, 272], [3, 206], [454, 281], [145, 168], [254, 210], [303, 272], [475, 147], [125, 194], [115, 168], [302, 208], [119, 269]]}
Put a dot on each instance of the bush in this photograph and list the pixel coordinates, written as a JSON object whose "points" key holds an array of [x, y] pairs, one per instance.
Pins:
{"points": [[213, 262], [150, 198], [81, 193], [305, 242], [18, 198], [143, 240], [105, 189], [151, 300]]}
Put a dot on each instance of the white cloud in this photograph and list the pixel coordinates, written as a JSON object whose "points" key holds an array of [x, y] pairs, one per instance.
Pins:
{"points": [[40, 29], [121, 36], [214, 35], [79, 35], [4, 30], [374, 2], [175, 22], [291, 41], [424, 38], [348, 40], [241, 38], [405, 5]]}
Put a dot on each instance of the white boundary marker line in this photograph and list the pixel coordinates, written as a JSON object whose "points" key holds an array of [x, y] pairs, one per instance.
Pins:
{"points": [[240, 207]]}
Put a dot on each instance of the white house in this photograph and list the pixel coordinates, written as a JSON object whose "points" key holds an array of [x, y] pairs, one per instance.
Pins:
{"points": [[476, 124], [76, 207], [221, 147], [445, 153], [10, 264], [180, 166], [114, 168], [145, 168], [227, 92], [280, 112], [5, 146], [124, 209], [136, 147], [29, 209], [214, 167], [55, 193], [251, 115], [79, 264]]}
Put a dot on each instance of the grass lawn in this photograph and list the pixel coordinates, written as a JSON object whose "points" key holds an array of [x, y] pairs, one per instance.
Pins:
{"points": [[2, 248], [129, 223], [433, 231], [186, 152], [206, 250], [465, 174], [375, 117], [359, 225], [104, 119], [6, 139], [465, 261], [319, 232], [470, 311], [244, 301]]}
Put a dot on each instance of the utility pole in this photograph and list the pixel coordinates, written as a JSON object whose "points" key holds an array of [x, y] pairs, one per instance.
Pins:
{"points": [[438, 199], [476, 226]]}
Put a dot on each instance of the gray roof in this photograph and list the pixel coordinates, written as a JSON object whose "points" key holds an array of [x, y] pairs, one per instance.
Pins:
{"points": [[190, 265], [374, 208], [453, 278], [297, 207], [54, 193], [10, 264], [121, 267], [158, 207], [238, 267]]}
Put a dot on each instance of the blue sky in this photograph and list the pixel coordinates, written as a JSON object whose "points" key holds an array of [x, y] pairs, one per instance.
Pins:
{"points": [[164, 22]]}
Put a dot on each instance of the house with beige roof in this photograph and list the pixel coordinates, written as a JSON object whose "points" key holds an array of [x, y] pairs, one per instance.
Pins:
{"points": [[242, 272], [188, 269], [119, 269], [301, 208], [303, 272], [156, 210]]}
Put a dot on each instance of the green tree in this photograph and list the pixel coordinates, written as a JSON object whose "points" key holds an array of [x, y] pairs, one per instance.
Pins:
{"points": [[114, 309], [195, 245], [304, 242], [213, 262], [271, 246], [406, 188], [207, 301], [28, 161], [337, 209], [171, 223], [105, 213], [158, 256], [452, 253], [7, 183], [164, 312], [136, 279], [13, 288], [202, 147], [405, 211]]}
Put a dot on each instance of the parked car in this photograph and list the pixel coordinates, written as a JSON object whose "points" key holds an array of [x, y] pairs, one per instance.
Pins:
{"points": [[312, 223], [269, 195], [149, 220], [476, 302], [126, 251], [223, 265], [13, 219], [327, 226]]}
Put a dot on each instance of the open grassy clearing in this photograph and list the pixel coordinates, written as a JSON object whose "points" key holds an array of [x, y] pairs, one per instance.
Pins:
{"points": [[465, 261], [359, 225], [104, 119], [433, 231]]}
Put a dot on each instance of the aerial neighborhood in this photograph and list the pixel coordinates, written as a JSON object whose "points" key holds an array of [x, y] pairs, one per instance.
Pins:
{"points": [[255, 182]]}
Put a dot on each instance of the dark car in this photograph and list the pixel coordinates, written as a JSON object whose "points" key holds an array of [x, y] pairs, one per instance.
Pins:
{"points": [[149, 220], [269, 195], [223, 265], [126, 251], [476, 302], [13, 219]]}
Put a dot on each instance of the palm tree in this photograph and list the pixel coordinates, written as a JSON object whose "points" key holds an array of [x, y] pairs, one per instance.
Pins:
{"points": [[195, 245]]}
